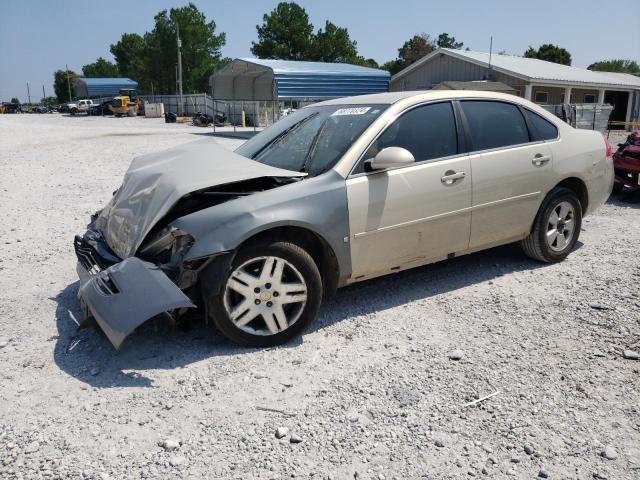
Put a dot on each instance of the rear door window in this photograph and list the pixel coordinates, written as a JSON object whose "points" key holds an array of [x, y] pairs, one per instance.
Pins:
{"points": [[494, 124], [428, 132], [542, 129]]}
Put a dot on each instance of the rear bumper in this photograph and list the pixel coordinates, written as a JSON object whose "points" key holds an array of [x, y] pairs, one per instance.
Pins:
{"points": [[123, 295]]}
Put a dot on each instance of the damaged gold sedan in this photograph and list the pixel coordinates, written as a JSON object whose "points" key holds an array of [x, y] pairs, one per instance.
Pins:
{"points": [[333, 194]]}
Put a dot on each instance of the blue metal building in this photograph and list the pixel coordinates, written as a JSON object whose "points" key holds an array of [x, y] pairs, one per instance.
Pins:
{"points": [[101, 87], [252, 79]]}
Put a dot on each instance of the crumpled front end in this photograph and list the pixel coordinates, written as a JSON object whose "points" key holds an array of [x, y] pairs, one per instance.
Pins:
{"points": [[122, 294], [156, 183], [132, 261]]}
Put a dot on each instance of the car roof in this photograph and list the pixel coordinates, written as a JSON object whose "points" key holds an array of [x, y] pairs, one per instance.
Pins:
{"points": [[389, 98], [401, 100]]}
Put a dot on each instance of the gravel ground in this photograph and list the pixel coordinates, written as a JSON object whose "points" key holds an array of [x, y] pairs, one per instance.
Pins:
{"points": [[376, 389]]}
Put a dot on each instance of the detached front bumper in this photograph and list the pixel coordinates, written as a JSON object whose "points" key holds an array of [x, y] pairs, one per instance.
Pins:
{"points": [[122, 295]]}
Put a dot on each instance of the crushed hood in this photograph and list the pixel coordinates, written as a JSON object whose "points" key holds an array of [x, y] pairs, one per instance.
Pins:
{"points": [[155, 182]]}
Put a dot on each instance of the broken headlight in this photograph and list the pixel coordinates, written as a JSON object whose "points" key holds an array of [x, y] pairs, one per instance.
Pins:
{"points": [[167, 246]]}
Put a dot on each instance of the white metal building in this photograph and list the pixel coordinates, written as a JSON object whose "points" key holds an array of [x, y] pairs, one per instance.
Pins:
{"points": [[536, 80]]}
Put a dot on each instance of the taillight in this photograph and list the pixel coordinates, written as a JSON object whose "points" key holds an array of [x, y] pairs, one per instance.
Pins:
{"points": [[607, 146]]}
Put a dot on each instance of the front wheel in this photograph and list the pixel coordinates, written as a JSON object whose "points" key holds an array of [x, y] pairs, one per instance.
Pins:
{"points": [[271, 295], [556, 227]]}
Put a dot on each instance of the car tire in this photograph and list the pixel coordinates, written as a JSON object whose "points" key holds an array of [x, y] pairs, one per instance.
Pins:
{"points": [[556, 228], [298, 269], [618, 187]]}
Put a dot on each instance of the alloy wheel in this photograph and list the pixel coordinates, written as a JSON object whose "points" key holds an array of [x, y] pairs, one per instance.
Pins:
{"points": [[560, 226], [265, 295]]}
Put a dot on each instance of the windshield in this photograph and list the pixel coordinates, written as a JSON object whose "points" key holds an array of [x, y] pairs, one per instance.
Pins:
{"points": [[313, 139]]}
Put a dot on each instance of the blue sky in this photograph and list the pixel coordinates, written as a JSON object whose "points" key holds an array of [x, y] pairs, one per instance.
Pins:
{"points": [[39, 36]]}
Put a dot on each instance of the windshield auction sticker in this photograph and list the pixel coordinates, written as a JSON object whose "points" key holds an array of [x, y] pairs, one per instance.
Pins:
{"points": [[351, 111]]}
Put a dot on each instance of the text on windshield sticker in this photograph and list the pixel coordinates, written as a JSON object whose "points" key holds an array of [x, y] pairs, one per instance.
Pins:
{"points": [[351, 111]]}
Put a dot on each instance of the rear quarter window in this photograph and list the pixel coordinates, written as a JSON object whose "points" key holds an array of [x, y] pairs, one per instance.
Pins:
{"points": [[542, 129], [494, 124]]}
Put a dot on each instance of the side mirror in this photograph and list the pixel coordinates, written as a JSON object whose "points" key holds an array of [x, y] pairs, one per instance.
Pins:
{"points": [[390, 157]]}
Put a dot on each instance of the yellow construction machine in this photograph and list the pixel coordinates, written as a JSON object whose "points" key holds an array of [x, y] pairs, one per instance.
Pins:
{"points": [[126, 103]]}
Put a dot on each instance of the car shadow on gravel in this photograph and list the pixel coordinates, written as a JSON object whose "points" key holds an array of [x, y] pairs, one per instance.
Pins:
{"points": [[627, 199], [87, 355], [423, 282]]}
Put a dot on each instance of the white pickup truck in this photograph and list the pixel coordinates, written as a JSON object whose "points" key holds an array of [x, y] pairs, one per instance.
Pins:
{"points": [[81, 106]]}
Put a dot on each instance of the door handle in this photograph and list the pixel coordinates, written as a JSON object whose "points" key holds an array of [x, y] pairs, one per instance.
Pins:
{"points": [[540, 159], [451, 176]]}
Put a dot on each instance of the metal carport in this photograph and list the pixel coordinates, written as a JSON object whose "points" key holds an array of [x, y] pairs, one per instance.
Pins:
{"points": [[101, 87], [257, 79], [258, 86]]}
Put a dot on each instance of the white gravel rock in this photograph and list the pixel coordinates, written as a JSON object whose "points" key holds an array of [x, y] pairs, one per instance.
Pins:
{"points": [[456, 355], [170, 444], [177, 460], [33, 447], [610, 453]]}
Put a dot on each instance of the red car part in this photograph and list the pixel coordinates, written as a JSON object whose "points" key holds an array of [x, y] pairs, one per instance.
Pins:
{"points": [[626, 163]]}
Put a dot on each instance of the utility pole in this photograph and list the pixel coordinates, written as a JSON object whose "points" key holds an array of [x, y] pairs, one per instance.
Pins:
{"points": [[180, 112], [490, 53], [44, 95], [28, 94], [68, 83]]}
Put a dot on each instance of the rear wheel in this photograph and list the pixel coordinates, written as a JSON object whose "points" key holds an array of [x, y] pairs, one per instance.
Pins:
{"points": [[271, 295], [556, 227]]}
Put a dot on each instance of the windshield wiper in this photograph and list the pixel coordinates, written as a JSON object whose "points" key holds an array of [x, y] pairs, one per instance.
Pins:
{"points": [[314, 146], [282, 135]]}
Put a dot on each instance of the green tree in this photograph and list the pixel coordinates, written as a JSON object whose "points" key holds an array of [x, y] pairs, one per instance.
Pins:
{"points": [[364, 62], [412, 50], [201, 53], [15, 100], [392, 66], [446, 41], [284, 34], [333, 45], [620, 66], [101, 68], [415, 48], [550, 53], [60, 84], [129, 55], [151, 59]]}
